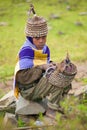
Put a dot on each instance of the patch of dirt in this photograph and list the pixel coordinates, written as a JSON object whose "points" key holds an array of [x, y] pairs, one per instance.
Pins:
{"points": [[6, 85], [82, 73]]}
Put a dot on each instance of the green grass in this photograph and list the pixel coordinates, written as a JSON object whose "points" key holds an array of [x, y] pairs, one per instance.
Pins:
{"points": [[12, 36], [84, 80]]}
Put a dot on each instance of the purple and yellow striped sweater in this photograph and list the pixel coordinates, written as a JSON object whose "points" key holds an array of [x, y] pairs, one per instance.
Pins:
{"points": [[28, 57]]}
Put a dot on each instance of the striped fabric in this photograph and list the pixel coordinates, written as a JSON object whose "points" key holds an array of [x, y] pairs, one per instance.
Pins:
{"points": [[28, 57]]}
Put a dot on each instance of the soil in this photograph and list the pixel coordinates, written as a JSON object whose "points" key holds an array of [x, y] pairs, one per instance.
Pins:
{"points": [[82, 73]]}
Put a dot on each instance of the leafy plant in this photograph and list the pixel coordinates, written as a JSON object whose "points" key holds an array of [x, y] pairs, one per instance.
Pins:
{"points": [[21, 123]]}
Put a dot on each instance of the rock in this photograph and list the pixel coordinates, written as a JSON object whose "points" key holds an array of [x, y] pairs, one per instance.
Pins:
{"points": [[3, 24], [10, 118], [39, 123], [61, 33], [21, 106], [48, 120], [7, 99], [78, 23], [8, 102], [28, 1], [54, 16], [60, 1], [68, 7], [80, 91], [83, 13], [25, 107]]}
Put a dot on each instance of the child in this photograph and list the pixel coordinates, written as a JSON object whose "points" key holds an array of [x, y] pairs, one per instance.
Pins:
{"points": [[33, 61]]}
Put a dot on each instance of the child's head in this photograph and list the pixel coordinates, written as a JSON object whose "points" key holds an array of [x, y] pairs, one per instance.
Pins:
{"points": [[36, 29]]}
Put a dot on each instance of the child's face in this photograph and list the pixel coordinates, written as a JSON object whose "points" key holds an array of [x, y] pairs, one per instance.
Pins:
{"points": [[39, 42]]}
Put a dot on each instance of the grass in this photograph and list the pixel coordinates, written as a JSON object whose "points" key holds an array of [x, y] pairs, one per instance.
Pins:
{"points": [[84, 80], [12, 36], [1, 93]]}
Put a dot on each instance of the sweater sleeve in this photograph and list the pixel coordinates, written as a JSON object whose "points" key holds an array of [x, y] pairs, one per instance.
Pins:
{"points": [[28, 76]]}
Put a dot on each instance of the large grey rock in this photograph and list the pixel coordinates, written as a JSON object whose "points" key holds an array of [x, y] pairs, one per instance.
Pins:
{"points": [[8, 102], [7, 99], [25, 107], [21, 106], [80, 91], [10, 118]]}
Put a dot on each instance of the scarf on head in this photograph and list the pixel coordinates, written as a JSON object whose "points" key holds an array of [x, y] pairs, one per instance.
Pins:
{"points": [[30, 39], [28, 57]]}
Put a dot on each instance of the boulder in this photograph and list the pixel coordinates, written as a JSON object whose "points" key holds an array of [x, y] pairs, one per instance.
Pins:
{"points": [[21, 106], [25, 107], [8, 102], [10, 118], [80, 91]]}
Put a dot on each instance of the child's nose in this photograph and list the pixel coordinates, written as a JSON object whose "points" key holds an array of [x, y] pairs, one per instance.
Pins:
{"points": [[41, 39]]}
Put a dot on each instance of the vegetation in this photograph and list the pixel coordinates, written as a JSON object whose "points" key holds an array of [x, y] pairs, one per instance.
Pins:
{"points": [[75, 117], [64, 35]]}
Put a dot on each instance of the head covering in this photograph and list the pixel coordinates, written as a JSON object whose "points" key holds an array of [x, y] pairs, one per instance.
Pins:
{"points": [[30, 39], [36, 26]]}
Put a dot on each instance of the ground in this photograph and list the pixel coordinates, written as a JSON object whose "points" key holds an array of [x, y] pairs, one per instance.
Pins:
{"points": [[82, 73]]}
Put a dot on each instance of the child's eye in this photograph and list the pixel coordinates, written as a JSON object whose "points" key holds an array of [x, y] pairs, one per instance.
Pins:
{"points": [[43, 37], [37, 38]]}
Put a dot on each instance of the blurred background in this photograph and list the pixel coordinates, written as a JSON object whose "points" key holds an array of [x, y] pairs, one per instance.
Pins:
{"points": [[67, 23]]}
